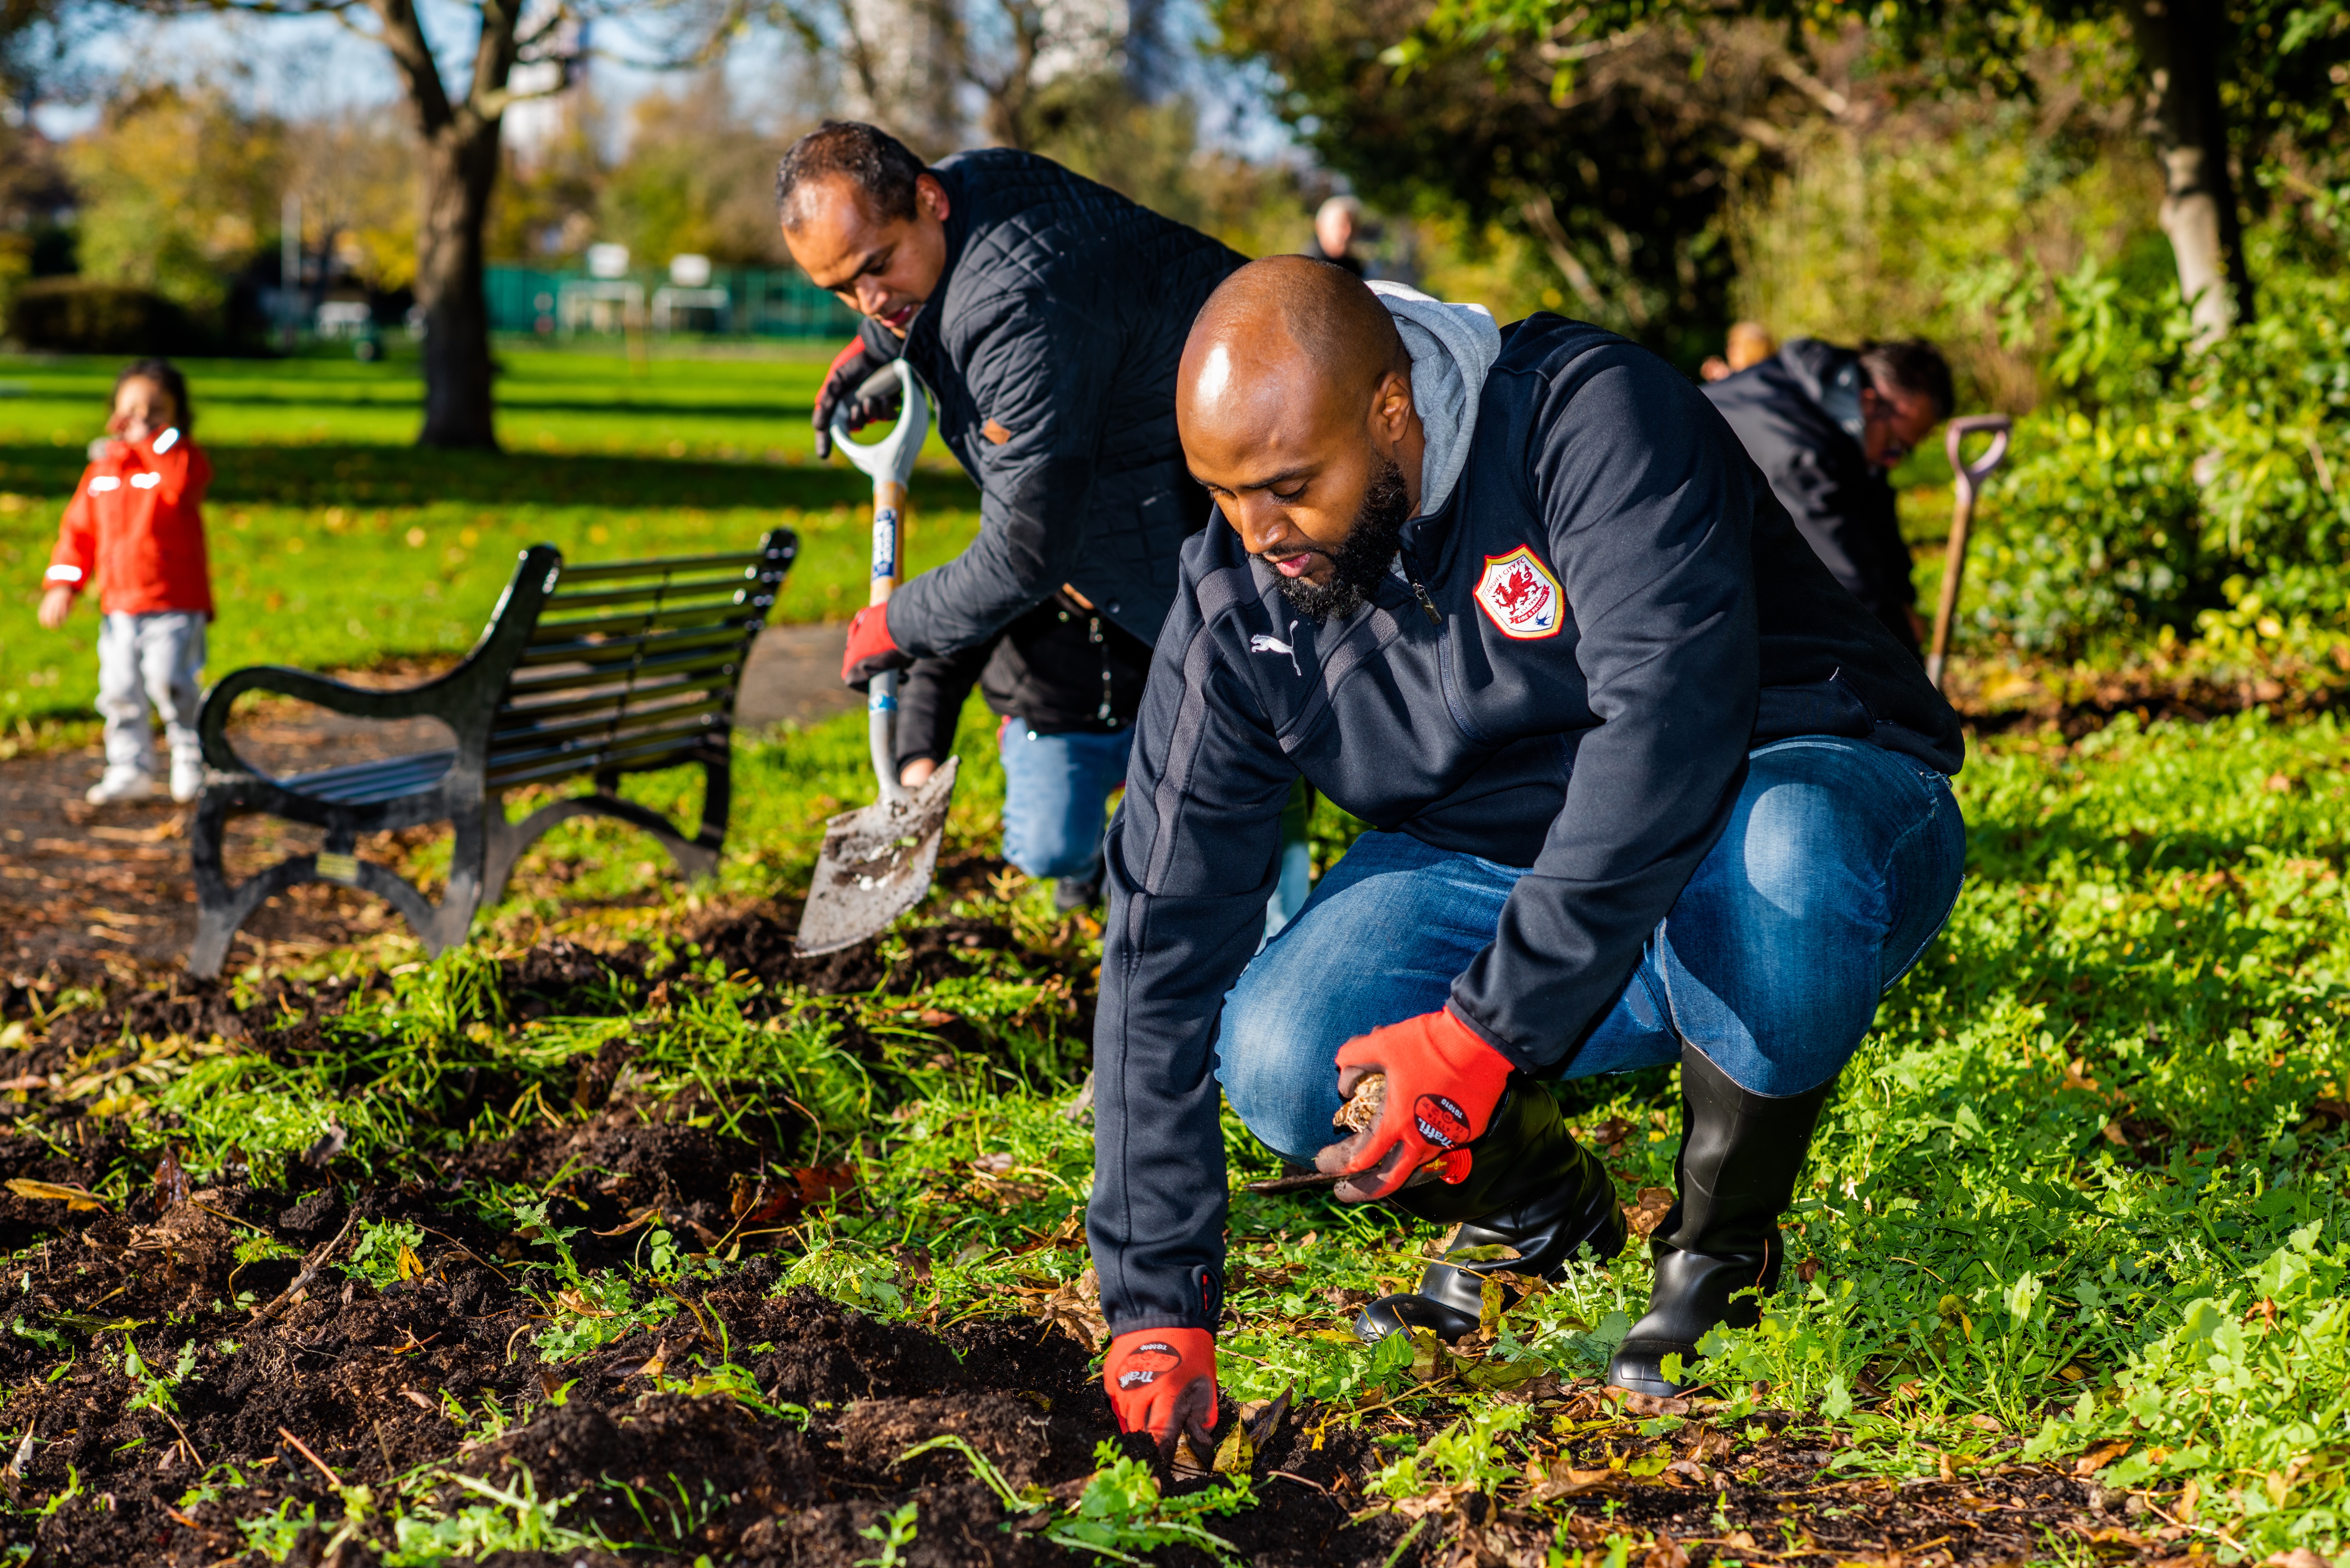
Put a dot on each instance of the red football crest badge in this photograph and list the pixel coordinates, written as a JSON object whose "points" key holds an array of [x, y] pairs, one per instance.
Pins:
{"points": [[1519, 595]]}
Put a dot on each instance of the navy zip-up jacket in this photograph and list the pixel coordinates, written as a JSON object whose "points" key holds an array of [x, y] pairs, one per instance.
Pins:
{"points": [[1050, 345], [1621, 610]]}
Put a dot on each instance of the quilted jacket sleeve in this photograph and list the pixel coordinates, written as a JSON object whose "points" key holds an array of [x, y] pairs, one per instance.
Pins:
{"points": [[1039, 372]]}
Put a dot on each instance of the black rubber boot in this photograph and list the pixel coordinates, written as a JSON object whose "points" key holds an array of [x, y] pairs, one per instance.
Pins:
{"points": [[1741, 1154], [1532, 1189]]}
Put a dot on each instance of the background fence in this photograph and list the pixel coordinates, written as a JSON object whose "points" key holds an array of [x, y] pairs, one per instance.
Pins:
{"points": [[736, 302]]}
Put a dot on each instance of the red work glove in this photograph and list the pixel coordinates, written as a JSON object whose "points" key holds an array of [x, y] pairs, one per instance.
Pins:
{"points": [[851, 368], [1162, 1381], [1443, 1084], [871, 650]]}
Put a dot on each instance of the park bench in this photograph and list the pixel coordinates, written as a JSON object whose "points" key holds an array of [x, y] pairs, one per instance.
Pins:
{"points": [[603, 670]]}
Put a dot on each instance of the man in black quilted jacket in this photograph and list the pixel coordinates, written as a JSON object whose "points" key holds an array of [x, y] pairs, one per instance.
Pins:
{"points": [[1824, 425], [1047, 313]]}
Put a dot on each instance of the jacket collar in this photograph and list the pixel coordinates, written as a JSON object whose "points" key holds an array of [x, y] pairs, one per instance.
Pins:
{"points": [[923, 337]]}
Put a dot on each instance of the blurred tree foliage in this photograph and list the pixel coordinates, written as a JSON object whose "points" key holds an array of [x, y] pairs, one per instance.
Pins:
{"points": [[180, 187], [1623, 138], [697, 177]]}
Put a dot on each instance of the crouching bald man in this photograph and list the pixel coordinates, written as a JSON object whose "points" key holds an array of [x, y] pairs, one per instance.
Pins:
{"points": [[1646, 785]]}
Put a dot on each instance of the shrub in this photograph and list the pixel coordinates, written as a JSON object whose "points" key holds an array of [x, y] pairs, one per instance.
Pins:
{"points": [[2169, 484], [80, 316]]}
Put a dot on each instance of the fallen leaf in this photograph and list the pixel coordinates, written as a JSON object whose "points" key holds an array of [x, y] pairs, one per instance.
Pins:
{"points": [[73, 1198], [24, 1081], [1649, 1212], [571, 1301], [1637, 1403], [2101, 1456], [409, 1265], [1565, 1480], [1236, 1455], [2299, 1557], [419, 1400]]}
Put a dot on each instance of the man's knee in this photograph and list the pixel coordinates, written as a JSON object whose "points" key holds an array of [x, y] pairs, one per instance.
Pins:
{"points": [[1281, 1087]]}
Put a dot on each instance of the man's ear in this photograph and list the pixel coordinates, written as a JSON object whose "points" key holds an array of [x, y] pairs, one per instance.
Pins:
{"points": [[1391, 409], [933, 196]]}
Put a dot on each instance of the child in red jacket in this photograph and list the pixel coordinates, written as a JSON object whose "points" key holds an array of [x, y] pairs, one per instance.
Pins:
{"points": [[136, 524]]}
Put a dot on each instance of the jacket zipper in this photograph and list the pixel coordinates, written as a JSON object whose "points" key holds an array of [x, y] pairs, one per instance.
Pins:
{"points": [[1425, 602], [1093, 629]]}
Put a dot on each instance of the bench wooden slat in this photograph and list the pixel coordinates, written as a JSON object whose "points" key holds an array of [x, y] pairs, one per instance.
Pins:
{"points": [[603, 694], [683, 743], [528, 686], [603, 630], [664, 591], [385, 780], [632, 650], [611, 571], [615, 721]]}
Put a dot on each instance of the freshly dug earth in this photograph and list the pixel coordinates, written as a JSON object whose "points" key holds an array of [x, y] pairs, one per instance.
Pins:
{"points": [[365, 1380], [748, 1423]]}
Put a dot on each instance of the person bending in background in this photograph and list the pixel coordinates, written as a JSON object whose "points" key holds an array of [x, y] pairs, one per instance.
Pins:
{"points": [[1826, 425], [136, 527]]}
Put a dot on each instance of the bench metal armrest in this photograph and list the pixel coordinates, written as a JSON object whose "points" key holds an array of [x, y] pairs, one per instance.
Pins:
{"points": [[463, 697]]}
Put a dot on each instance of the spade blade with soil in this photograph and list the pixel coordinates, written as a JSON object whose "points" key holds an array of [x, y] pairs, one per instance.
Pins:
{"points": [[876, 865], [876, 861]]}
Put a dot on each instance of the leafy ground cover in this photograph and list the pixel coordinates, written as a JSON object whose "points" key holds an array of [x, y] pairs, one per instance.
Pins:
{"points": [[333, 547], [623, 1235]]}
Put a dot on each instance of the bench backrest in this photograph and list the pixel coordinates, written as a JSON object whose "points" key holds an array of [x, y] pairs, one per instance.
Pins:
{"points": [[633, 664]]}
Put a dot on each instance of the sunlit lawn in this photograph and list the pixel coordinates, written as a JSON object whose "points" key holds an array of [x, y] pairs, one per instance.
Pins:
{"points": [[336, 542]]}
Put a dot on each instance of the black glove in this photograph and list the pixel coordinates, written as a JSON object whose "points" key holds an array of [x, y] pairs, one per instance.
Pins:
{"points": [[851, 368]]}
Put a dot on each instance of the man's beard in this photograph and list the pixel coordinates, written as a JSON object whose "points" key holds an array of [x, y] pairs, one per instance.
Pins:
{"points": [[1362, 557]]}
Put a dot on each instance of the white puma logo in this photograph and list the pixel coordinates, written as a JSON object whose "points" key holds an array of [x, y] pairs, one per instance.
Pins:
{"points": [[1262, 643]]}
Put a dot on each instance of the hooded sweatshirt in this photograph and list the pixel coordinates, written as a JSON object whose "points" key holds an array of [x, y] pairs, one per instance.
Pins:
{"points": [[1600, 610]]}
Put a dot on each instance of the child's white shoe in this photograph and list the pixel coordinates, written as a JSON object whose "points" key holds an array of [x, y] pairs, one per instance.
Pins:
{"points": [[187, 775], [120, 784]]}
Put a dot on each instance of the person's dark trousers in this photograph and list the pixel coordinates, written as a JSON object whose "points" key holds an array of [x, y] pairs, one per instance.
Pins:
{"points": [[1840, 863]]}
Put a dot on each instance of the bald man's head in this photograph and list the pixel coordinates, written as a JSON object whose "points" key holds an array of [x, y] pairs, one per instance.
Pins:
{"points": [[1294, 401]]}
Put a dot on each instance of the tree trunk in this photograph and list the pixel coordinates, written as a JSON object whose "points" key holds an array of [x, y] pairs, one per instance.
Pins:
{"points": [[461, 166], [2179, 44]]}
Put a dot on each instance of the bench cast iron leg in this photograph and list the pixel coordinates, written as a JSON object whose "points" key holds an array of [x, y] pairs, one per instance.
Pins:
{"points": [[224, 908], [696, 856]]}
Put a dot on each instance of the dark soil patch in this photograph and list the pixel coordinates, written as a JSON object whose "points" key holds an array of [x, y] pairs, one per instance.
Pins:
{"points": [[732, 1418]]}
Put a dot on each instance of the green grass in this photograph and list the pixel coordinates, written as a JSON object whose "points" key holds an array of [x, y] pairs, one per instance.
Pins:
{"points": [[334, 544], [2078, 1190]]}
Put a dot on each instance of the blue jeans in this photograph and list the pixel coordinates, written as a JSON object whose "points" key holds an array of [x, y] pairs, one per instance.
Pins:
{"points": [[1840, 861], [1056, 791]]}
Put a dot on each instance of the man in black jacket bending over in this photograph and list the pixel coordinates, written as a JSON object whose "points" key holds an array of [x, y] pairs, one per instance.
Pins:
{"points": [[1645, 785], [1047, 313], [1825, 424]]}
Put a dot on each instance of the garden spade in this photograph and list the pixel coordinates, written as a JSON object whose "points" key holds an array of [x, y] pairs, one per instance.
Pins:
{"points": [[876, 861], [1967, 480]]}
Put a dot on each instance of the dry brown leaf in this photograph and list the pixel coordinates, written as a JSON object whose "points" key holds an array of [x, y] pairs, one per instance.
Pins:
{"points": [[571, 1301], [1362, 1109], [1649, 1212], [73, 1198], [2101, 1456]]}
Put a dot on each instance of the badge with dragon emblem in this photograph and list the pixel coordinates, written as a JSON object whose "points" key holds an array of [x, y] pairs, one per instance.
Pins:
{"points": [[1519, 595]]}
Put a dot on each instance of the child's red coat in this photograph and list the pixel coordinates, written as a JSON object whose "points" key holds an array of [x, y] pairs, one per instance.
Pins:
{"points": [[136, 523]]}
